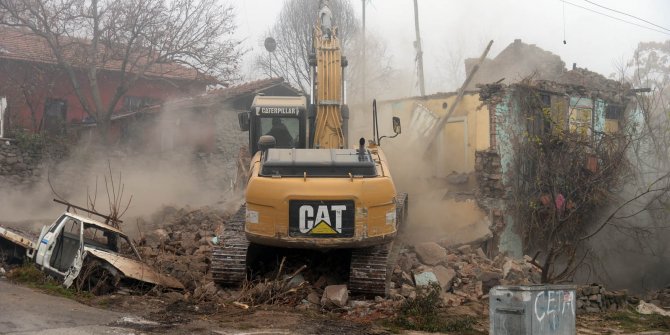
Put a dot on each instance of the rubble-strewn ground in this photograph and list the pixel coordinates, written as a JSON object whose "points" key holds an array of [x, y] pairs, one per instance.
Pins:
{"points": [[308, 300]]}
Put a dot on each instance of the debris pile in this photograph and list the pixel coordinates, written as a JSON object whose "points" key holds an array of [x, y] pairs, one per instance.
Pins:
{"points": [[180, 246], [595, 298], [282, 289], [464, 272], [660, 298]]}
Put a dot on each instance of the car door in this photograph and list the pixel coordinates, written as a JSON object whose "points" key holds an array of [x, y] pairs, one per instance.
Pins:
{"points": [[47, 241], [78, 262], [67, 245]]}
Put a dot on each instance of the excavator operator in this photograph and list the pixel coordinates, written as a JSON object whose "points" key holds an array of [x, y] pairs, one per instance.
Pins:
{"points": [[281, 134]]}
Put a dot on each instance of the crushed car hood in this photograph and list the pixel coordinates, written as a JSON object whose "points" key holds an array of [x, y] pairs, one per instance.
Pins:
{"points": [[135, 269]]}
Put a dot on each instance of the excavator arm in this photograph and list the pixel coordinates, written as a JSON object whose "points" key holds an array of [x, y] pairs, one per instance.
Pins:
{"points": [[326, 70]]}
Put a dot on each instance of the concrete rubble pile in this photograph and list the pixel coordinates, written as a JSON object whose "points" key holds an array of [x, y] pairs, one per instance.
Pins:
{"points": [[464, 273], [180, 247], [660, 298], [181, 243]]}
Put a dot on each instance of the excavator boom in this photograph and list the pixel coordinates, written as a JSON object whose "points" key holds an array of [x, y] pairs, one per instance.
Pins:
{"points": [[327, 69]]}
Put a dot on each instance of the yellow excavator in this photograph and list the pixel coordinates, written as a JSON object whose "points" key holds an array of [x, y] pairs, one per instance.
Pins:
{"points": [[306, 189]]}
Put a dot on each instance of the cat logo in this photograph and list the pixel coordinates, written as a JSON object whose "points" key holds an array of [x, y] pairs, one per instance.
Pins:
{"points": [[322, 218], [318, 221]]}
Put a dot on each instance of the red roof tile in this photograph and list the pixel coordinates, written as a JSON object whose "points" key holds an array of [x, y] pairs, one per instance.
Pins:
{"points": [[246, 88], [23, 45]]}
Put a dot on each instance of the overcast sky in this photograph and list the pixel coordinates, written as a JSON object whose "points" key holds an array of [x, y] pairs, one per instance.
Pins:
{"points": [[463, 27]]}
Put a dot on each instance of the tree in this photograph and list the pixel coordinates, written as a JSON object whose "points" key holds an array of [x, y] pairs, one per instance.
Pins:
{"points": [[380, 76], [135, 38], [651, 69], [556, 193], [639, 226], [293, 33]]}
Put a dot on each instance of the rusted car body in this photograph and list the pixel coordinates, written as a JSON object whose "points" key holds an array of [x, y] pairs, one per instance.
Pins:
{"points": [[78, 249]]}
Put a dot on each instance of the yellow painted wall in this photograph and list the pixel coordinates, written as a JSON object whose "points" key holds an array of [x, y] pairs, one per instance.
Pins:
{"points": [[452, 146], [611, 126]]}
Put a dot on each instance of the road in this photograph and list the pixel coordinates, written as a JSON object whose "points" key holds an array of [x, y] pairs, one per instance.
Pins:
{"points": [[26, 311]]}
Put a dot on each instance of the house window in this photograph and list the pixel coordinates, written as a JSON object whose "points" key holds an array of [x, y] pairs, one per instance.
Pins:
{"points": [[135, 103], [55, 113], [613, 114], [580, 120], [545, 99]]}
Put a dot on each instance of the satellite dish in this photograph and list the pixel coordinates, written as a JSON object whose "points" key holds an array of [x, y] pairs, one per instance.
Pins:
{"points": [[270, 44]]}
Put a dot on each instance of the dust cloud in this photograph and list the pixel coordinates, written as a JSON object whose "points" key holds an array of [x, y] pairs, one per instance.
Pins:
{"points": [[434, 213], [178, 176]]}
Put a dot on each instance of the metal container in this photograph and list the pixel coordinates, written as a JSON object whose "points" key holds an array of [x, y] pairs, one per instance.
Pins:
{"points": [[532, 310]]}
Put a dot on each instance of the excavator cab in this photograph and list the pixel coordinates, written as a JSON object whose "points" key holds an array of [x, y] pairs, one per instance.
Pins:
{"points": [[284, 118]]}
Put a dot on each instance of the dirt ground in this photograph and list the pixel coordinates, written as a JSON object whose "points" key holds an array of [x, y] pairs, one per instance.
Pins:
{"points": [[158, 316], [225, 318]]}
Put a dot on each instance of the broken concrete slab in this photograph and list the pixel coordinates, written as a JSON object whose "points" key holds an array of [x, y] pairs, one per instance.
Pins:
{"points": [[423, 279], [444, 276], [430, 253], [337, 295], [647, 308]]}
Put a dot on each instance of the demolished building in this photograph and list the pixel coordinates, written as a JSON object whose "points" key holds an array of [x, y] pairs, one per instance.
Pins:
{"points": [[478, 148], [580, 102]]}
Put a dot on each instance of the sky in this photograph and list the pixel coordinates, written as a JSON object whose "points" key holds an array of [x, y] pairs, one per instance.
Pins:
{"points": [[451, 29]]}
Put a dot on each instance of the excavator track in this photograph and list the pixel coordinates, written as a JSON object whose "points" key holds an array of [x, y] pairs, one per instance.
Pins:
{"points": [[229, 266], [370, 270]]}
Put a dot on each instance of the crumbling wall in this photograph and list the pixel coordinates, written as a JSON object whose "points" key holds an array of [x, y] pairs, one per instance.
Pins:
{"points": [[545, 136], [490, 194], [19, 165], [229, 140], [493, 168], [488, 173]]}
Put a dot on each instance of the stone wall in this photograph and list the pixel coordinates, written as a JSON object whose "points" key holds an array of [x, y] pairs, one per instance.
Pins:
{"points": [[595, 298], [19, 165]]}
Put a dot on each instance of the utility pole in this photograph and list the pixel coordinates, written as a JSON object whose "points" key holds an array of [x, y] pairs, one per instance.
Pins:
{"points": [[419, 51], [364, 58]]}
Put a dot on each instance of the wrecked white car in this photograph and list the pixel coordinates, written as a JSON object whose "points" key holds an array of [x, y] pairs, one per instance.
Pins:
{"points": [[92, 255]]}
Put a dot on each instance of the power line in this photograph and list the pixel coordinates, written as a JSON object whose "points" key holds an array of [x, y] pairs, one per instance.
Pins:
{"points": [[629, 15], [615, 18]]}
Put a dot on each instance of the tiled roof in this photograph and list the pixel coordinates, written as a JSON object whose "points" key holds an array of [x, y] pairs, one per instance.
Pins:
{"points": [[217, 96], [246, 88], [18, 44]]}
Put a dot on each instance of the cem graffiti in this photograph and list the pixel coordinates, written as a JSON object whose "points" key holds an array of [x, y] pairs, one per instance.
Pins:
{"points": [[551, 308]]}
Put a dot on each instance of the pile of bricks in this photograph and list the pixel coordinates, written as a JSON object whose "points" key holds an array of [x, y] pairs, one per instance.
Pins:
{"points": [[464, 273]]}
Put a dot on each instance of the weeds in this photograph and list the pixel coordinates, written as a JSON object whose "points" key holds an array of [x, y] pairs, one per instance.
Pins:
{"points": [[29, 141], [423, 313], [632, 321], [31, 276]]}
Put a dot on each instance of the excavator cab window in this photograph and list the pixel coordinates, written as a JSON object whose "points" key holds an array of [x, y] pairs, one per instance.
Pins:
{"points": [[285, 130]]}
